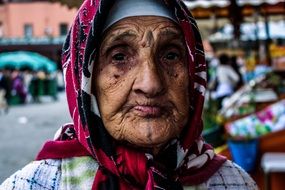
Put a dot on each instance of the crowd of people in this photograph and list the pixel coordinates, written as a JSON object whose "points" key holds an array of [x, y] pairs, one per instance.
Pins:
{"points": [[19, 87]]}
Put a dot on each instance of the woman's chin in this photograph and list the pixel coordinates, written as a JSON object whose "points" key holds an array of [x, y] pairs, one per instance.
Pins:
{"points": [[151, 142], [148, 134], [148, 147]]}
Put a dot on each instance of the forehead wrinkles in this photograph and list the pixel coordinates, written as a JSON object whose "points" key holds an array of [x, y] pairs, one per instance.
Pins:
{"points": [[156, 26], [142, 24], [148, 29]]}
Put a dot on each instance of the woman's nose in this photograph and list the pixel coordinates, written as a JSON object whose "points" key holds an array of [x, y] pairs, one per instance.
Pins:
{"points": [[149, 80]]}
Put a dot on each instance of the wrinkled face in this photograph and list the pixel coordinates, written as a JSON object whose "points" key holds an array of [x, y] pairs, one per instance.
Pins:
{"points": [[141, 81]]}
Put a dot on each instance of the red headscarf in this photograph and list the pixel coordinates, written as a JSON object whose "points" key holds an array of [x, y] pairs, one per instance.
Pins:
{"points": [[187, 160]]}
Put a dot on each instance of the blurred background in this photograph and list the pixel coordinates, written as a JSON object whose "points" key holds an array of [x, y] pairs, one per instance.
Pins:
{"points": [[244, 116]]}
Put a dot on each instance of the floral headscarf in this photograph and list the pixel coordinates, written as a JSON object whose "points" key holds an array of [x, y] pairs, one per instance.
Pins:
{"points": [[187, 160]]}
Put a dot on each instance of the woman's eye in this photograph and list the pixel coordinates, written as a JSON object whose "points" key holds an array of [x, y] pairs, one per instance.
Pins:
{"points": [[171, 56], [119, 57]]}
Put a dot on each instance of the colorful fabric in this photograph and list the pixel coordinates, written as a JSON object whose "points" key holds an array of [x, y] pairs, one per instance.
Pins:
{"points": [[270, 119], [78, 173], [186, 160]]}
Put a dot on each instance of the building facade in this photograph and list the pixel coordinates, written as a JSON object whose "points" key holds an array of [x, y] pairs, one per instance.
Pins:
{"points": [[34, 19], [39, 26]]}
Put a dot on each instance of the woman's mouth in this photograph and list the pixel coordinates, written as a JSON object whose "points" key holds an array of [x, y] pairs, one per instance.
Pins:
{"points": [[148, 111]]}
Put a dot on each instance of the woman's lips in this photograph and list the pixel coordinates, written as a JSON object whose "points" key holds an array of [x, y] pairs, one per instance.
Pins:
{"points": [[148, 111]]}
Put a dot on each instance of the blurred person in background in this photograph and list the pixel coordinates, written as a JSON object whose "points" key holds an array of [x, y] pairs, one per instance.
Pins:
{"points": [[18, 86], [227, 79], [135, 76], [212, 64], [4, 91], [59, 80], [237, 68], [37, 86], [34, 87], [27, 78]]}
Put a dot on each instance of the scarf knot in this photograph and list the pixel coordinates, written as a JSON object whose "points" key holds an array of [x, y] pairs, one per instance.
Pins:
{"points": [[132, 166]]}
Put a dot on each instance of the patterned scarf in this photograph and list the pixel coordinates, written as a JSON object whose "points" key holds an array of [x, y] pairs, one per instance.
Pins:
{"points": [[187, 160]]}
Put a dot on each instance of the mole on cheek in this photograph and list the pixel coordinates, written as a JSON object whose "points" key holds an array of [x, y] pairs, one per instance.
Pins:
{"points": [[116, 76], [171, 73]]}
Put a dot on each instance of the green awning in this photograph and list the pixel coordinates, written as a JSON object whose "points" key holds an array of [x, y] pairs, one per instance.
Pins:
{"points": [[26, 60]]}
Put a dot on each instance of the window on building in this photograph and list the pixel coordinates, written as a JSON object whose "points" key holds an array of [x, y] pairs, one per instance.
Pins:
{"points": [[63, 27], [1, 30], [28, 30]]}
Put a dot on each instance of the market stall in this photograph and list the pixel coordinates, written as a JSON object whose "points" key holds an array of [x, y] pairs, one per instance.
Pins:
{"points": [[25, 60], [35, 73], [254, 118], [206, 9], [250, 32]]}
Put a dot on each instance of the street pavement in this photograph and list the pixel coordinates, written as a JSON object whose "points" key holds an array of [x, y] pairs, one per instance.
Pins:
{"points": [[24, 130]]}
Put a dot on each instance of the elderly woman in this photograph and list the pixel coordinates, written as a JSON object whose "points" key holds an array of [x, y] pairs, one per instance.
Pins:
{"points": [[135, 83]]}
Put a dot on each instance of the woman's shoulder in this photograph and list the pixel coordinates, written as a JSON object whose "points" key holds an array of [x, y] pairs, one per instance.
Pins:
{"points": [[43, 174], [53, 174], [231, 176]]}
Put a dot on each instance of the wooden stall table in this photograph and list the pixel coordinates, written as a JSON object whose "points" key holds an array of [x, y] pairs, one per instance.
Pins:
{"points": [[272, 142], [272, 162]]}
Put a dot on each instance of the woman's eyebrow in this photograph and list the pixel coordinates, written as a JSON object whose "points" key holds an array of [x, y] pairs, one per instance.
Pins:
{"points": [[116, 37], [171, 36], [121, 36], [170, 33]]}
